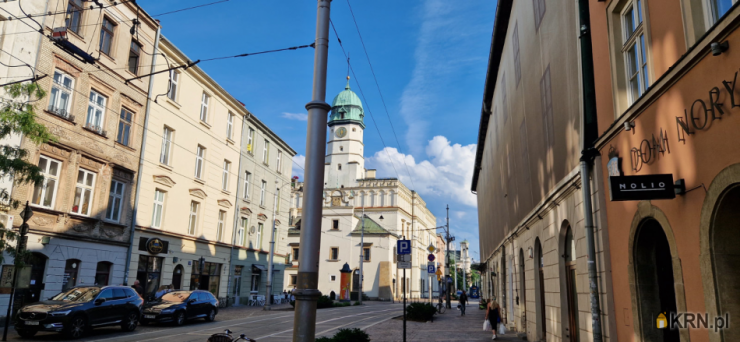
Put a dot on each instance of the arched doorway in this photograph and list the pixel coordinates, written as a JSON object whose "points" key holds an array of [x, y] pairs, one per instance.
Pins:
{"points": [[177, 277], [725, 250], [569, 269], [503, 301], [540, 291], [654, 280], [37, 262], [522, 292]]}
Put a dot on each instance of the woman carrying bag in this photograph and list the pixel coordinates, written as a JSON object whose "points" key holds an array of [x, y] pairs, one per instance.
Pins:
{"points": [[493, 316]]}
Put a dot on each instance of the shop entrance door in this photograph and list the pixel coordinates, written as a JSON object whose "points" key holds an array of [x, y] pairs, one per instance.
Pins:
{"points": [[540, 282], [725, 249], [177, 277], [36, 285], [656, 293], [569, 254]]}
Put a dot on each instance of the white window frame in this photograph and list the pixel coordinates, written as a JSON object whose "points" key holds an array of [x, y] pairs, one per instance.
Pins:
{"points": [[45, 184], [193, 218], [635, 39], [247, 179], [83, 188], [266, 153], [250, 140], [711, 12], [220, 226], [262, 193], [260, 227], [204, 100], [279, 160], [225, 176], [174, 79], [158, 209], [200, 154], [229, 126], [113, 197], [242, 231], [95, 121], [165, 156], [57, 91]]}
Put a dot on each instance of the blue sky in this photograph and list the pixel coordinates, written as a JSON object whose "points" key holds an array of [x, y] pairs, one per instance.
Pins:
{"points": [[430, 59]]}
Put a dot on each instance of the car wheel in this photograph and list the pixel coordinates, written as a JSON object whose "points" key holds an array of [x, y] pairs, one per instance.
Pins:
{"points": [[179, 318], [211, 316], [131, 321], [76, 328], [27, 333]]}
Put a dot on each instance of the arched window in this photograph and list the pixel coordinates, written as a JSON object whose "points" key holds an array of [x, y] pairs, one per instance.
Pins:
{"points": [[372, 199], [382, 198], [362, 199], [339, 167], [393, 198], [70, 274], [102, 273]]}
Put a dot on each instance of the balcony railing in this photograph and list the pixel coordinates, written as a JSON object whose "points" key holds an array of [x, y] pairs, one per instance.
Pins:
{"points": [[62, 113], [96, 129]]}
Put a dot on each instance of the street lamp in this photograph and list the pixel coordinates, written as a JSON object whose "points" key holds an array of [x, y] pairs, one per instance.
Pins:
{"points": [[20, 246]]}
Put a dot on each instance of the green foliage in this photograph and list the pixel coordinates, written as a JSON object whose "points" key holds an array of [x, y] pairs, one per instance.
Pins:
{"points": [[17, 116], [420, 311], [347, 335], [365, 297], [356, 303], [324, 302], [339, 305]]}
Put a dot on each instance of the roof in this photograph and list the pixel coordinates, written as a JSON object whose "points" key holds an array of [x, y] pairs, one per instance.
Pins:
{"points": [[347, 108], [500, 26], [371, 227]]}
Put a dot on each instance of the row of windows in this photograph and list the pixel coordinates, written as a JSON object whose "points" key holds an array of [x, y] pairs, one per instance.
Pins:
{"points": [[108, 28], [72, 267], [60, 104], [333, 254], [45, 193]]}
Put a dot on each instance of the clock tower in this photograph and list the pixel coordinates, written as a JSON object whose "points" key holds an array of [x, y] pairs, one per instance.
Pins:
{"points": [[345, 161]]}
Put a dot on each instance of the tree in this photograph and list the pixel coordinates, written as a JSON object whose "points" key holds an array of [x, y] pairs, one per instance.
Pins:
{"points": [[17, 116]]}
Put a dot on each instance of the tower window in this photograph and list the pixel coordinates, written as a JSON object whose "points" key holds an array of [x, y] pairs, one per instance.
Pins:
{"points": [[354, 129], [341, 148], [339, 167], [342, 115]]}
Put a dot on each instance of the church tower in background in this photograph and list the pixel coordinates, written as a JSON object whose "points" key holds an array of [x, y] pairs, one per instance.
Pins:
{"points": [[345, 161]]}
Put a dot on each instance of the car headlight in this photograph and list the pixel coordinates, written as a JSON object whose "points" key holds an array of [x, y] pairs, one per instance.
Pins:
{"points": [[60, 313], [167, 311]]}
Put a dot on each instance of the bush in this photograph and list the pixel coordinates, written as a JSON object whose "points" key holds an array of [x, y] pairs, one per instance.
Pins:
{"points": [[347, 335], [339, 305], [420, 311], [356, 303], [325, 339], [324, 302], [365, 297]]}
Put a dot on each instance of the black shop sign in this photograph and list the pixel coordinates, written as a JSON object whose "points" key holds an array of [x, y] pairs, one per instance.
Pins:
{"points": [[153, 245], [637, 188]]}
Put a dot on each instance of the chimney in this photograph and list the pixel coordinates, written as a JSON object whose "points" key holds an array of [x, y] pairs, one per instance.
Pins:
{"points": [[370, 174]]}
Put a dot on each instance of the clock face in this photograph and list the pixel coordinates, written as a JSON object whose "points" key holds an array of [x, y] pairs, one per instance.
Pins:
{"points": [[341, 132]]}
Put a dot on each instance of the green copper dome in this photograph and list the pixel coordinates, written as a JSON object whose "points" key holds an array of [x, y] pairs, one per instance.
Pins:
{"points": [[347, 108]]}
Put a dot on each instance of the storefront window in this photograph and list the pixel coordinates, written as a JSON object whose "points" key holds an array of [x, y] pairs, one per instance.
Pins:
{"points": [[102, 274], [70, 274], [149, 273], [205, 276]]}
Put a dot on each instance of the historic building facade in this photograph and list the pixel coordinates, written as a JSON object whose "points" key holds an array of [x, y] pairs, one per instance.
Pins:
{"points": [[80, 231], [528, 181], [668, 105], [392, 212]]}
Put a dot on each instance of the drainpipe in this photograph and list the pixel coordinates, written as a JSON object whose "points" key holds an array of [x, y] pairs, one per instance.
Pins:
{"points": [[141, 158], [590, 133], [236, 217]]}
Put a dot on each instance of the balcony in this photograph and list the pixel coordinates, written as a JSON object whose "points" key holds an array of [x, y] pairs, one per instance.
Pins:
{"points": [[96, 129], [62, 113]]}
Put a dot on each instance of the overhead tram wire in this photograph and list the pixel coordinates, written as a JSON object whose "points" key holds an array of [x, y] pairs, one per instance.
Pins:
{"points": [[367, 104], [382, 100]]}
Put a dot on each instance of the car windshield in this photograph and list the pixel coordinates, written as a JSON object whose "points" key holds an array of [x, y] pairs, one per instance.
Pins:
{"points": [[176, 296], [80, 294]]}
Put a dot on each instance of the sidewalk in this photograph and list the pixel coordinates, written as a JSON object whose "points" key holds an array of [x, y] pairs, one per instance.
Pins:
{"points": [[449, 326]]}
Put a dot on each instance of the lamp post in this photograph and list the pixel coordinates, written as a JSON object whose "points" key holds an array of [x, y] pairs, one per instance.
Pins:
{"points": [[20, 246], [268, 296]]}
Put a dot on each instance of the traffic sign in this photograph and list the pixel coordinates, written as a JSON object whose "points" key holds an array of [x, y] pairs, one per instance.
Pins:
{"points": [[430, 268], [431, 248], [403, 247], [404, 265], [404, 258], [430, 257]]}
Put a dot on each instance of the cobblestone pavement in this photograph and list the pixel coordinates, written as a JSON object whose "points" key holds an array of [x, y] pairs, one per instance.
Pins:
{"points": [[449, 326]]}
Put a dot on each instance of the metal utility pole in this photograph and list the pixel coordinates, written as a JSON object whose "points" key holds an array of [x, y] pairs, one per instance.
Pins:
{"points": [[405, 283], [413, 238], [447, 268], [268, 295], [307, 293], [362, 253], [19, 247]]}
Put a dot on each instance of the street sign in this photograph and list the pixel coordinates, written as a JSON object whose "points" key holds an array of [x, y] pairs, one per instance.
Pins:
{"points": [[431, 248], [403, 247], [404, 258], [637, 188], [430, 268], [404, 265], [430, 257]]}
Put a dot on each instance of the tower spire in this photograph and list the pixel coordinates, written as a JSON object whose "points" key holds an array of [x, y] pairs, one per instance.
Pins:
{"points": [[347, 87]]}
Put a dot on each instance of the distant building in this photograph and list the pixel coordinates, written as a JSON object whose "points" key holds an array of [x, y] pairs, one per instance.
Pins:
{"points": [[392, 212]]}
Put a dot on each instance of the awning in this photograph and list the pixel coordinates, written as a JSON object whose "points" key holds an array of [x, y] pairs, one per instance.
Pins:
{"points": [[257, 268]]}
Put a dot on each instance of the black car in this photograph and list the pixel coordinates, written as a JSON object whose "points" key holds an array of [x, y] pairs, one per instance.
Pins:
{"points": [[75, 311], [179, 306]]}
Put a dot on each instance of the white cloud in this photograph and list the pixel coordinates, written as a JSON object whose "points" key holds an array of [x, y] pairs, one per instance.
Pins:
{"points": [[446, 174], [296, 116], [299, 163]]}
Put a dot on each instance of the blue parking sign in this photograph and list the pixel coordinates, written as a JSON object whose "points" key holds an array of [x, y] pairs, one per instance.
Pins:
{"points": [[403, 247], [430, 269]]}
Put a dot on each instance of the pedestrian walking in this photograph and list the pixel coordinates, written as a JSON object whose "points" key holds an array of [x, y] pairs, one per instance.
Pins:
{"points": [[138, 288], [463, 302], [493, 315]]}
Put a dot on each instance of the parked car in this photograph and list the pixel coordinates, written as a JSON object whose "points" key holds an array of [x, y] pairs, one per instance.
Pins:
{"points": [[179, 306], [75, 311]]}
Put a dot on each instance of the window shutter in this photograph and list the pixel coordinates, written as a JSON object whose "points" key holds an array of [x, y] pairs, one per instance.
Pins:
{"points": [[142, 243]]}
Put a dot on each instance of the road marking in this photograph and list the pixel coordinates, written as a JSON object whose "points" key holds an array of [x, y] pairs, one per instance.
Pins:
{"points": [[329, 320]]}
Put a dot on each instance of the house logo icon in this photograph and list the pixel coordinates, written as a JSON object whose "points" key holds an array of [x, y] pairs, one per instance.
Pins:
{"points": [[661, 322]]}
